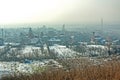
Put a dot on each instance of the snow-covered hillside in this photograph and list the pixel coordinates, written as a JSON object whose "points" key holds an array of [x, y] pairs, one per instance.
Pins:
{"points": [[63, 52]]}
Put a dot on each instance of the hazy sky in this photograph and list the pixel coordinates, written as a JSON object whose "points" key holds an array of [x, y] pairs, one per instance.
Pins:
{"points": [[59, 11]]}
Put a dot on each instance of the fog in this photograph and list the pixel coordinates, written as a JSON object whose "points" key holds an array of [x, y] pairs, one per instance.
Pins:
{"points": [[59, 11]]}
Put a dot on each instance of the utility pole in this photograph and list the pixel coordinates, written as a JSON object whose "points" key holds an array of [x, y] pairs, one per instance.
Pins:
{"points": [[109, 45], [93, 38]]}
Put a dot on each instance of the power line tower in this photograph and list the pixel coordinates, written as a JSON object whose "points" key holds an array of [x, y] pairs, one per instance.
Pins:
{"points": [[30, 34], [1, 39]]}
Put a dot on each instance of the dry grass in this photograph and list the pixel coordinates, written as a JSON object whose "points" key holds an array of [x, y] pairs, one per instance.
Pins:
{"points": [[106, 71]]}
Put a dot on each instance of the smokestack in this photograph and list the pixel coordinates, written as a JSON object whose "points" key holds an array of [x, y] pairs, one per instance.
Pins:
{"points": [[101, 25], [63, 28], [2, 33]]}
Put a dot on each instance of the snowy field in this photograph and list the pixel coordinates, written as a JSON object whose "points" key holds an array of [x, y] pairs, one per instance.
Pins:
{"points": [[30, 67]]}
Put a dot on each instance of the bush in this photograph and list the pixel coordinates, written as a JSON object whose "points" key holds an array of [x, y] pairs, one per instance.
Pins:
{"points": [[106, 71]]}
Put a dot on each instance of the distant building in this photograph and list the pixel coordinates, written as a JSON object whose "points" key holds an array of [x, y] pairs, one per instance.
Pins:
{"points": [[53, 41], [97, 40], [93, 38], [116, 42], [33, 41], [1, 42], [29, 38]]}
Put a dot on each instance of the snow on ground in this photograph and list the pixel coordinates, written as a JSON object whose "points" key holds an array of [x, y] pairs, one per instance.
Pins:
{"points": [[1, 47], [62, 51], [16, 67], [96, 50], [30, 49], [96, 46]]}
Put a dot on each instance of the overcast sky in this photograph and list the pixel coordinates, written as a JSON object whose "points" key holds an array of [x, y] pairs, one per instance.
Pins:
{"points": [[59, 11]]}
